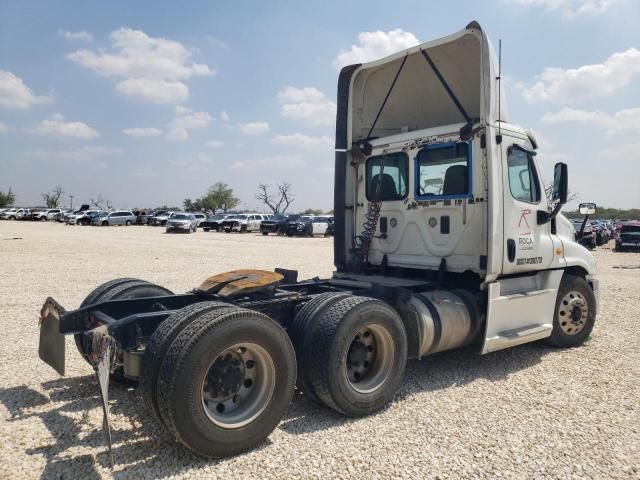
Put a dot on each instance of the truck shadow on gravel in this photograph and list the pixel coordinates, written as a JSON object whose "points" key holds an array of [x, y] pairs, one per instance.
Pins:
{"points": [[77, 447]]}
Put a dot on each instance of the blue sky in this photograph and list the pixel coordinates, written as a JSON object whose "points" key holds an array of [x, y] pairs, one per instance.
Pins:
{"points": [[147, 103]]}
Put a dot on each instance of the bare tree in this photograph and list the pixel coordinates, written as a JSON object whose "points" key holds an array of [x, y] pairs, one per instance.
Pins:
{"points": [[52, 199], [278, 201], [548, 192], [101, 203]]}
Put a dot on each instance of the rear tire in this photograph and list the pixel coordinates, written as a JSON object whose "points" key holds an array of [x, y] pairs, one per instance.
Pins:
{"points": [[575, 313], [302, 332], [159, 344], [206, 229], [128, 223], [118, 289], [360, 354], [265, 233], [214, 400]]}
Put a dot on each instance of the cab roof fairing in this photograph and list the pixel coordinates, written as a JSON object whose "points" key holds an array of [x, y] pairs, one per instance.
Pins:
{"points": [[466, 60]]}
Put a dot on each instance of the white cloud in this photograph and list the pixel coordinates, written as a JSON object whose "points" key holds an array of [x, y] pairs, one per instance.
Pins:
{"points": [[272, 162], [217, 42], [5, 128], [308, 104], [376, 45], [56, 126], [84, 154], [15, 94], [600, 79], [178, 135], [303, 141], [215, 143], [187, 119], [154, 68], [624, 122], [82, 35], [153, 91], [254, 128], [570, 8], [224, 116], [142, 132]]}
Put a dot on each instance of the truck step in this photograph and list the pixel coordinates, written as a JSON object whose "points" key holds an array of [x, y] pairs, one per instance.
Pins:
{"points": [[518, 336]]}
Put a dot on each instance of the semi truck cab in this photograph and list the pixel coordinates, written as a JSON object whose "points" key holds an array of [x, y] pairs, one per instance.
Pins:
{"points": [[433, 181]]}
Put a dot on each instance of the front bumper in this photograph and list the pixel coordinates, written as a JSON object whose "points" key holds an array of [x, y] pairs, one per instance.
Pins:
{"points": [[178, 226]]}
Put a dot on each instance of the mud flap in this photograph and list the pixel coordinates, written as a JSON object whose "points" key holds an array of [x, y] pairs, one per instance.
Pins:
{"points": [[103, 370], [51, 346]]}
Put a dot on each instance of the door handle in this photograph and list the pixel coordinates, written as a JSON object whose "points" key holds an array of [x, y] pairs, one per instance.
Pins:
{"points": [[511, 249]]}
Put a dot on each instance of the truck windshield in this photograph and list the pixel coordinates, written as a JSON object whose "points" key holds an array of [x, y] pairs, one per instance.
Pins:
{"points": [[392, 184]]}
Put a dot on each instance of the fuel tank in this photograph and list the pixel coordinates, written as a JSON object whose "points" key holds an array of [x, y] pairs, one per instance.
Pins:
{"points": [[445, 319]]}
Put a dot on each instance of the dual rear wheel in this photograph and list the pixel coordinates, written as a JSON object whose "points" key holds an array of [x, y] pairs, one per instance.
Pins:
{"points": [[218, 377], [351, 352]]}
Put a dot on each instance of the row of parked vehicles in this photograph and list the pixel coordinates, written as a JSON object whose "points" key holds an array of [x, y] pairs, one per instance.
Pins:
{"points": [[279, 224], [596, 233]]}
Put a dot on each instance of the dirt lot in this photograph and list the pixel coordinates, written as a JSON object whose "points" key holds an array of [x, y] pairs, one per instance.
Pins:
{"points": [[528, 412]]}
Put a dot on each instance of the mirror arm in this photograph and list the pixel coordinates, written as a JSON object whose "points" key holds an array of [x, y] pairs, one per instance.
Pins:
{"points": [[546, 217]]}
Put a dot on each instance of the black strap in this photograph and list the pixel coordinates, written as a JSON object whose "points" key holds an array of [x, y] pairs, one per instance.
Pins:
{"points": [[387, 97], [444, 83]]}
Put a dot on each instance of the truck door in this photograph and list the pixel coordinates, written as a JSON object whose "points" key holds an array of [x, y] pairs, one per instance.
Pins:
{"points": [[528, 246]]}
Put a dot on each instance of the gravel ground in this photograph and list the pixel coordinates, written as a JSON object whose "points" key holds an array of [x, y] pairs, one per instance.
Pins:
{"points": [[527, 412]]}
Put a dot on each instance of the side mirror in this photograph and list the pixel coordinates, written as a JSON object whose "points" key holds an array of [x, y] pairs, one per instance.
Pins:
{"points": [[560, 183], [587, 208]]}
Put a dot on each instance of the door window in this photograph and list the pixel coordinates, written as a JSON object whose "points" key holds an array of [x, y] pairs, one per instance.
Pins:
{"points": [[443, 170], [387, 177], [523, 179]]}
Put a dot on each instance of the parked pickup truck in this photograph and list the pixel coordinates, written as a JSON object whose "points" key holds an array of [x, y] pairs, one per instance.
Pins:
{"points": [[243, 222], [628, 236], [44, 215], [277, 224], [214, 222]]}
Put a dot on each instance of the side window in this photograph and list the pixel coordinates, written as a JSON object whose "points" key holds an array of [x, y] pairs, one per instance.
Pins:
{"points": [[387, 177], [443, 170], [523, 179]]}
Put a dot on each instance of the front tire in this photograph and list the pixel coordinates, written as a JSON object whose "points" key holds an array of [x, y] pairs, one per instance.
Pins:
{"points": [[575, 313], [226, 382]]}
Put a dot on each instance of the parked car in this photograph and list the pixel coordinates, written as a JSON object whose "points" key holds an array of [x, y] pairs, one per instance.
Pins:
{"points": [[588, 238], [23, 214], [628, 236], [309, 226], [277, 223], [244, 222], [160, 218], [9, 214], [200, 217], [47, 214], [182, 222], [118, 217], [60, 216], [215, 222], [82, 217]]}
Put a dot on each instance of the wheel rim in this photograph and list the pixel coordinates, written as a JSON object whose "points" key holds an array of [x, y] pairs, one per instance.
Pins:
{"points": [[369, 360], [238, 385], [573, 313]]}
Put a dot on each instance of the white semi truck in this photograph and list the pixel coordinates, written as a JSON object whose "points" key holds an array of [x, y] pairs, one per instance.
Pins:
{"points": [[443, 238]]}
